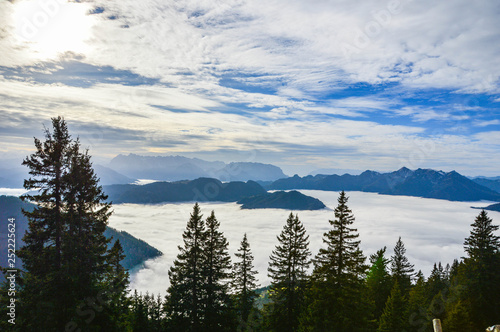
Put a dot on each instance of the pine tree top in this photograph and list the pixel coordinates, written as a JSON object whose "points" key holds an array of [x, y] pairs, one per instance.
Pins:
{"points": [[482, 241]]}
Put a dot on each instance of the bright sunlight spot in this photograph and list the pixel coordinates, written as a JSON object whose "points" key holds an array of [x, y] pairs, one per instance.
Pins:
{"points": [[52, 27]]}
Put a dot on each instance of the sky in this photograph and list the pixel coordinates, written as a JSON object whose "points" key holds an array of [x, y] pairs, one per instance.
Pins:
{"points": [[304, 85], [432, 230]]}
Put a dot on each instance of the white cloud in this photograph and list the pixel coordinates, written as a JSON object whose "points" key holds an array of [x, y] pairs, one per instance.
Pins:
{"points": [[421, 44], [486, 123], [294, 50]]}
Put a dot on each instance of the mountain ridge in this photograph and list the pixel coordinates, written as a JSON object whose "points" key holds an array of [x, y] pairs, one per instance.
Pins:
{"points": [[200, 190], [425, 183], [177, 168]]}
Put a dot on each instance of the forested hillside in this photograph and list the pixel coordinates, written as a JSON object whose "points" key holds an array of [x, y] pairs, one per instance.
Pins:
{"points": [[136, 250]]}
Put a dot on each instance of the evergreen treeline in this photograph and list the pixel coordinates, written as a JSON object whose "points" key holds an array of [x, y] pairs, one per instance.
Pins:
{"points": [[343, 292], [72, 280]]}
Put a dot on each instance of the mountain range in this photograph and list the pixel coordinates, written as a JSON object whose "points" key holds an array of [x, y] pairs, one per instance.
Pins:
{"points": [[199, 190], [125, 169], [175, 168], [492, 183], [426, 183]]}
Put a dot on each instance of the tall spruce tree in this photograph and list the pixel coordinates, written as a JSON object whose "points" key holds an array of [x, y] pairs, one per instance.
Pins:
{"points": [[115, 290], [482, 272], [336, 297], [437, 281], [64, 257], [184, 299], [288, 266], [394, 316], [217, 309], [378, 283], [42, 295], [401, 269], [85, 255], [244, 282]]}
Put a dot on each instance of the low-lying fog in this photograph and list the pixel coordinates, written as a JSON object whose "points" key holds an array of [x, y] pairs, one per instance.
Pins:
{"points": [[432, 230]]}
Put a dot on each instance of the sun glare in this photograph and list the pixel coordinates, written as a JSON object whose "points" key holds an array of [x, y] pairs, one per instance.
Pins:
{"points": [[52, 27]]}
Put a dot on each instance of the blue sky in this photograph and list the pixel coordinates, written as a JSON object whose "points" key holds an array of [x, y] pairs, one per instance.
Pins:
{"points": [[301, 84]]}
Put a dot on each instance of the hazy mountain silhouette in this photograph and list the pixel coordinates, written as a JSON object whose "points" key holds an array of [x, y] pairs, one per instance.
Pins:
{"points": [[421, 183], [492, 183], [175, 168]]}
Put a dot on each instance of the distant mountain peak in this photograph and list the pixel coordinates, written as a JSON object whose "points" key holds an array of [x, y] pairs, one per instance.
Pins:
{"points": [[426, 183], [404, 170], [174, 168]]}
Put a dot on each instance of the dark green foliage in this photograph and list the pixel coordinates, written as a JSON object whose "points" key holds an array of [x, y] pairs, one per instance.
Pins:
{"points": [[136, 250], [482, 272], [146, 313], [418, 317], [183, 306], [378, 283], [217, 309], [394, 316], [244, 283], [437, 289], [336, 296], [288, 266], [42, 253], [84, 246], [139, 317], [458, 318], [115, 289], [289, 200], [65, 254], [198, 297], [401, 269]]}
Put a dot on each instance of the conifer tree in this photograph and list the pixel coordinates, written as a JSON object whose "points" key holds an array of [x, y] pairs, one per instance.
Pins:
{"points": [[394, 316], [437, 281], [378, 283], [139, 313], [217, 309], [418, 318], [482, 271], [288, 266], [401, 269], [64, 256], [184, 299], [458, 317], [115, 289], [85, 257], [156, 314], [244, 281], [42, 253], [336, 300]]}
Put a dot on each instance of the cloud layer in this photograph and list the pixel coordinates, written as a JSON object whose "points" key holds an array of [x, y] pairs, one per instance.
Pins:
{"points": [[432, 230]]}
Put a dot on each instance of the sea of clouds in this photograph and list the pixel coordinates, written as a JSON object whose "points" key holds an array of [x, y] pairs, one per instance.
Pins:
{"points": [[432, 230]]}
